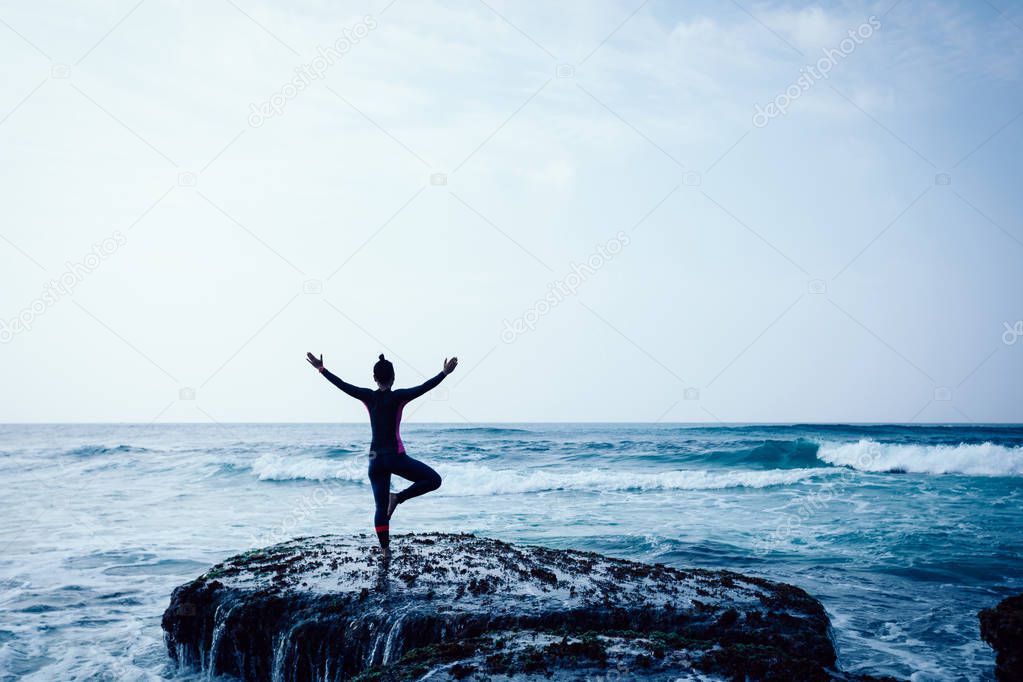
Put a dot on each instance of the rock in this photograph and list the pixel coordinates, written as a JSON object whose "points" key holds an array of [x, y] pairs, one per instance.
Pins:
{"points": [[1002, 627], [464, 607]]}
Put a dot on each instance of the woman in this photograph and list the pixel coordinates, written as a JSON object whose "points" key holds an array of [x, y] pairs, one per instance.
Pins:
{"points": [[387, 452]]}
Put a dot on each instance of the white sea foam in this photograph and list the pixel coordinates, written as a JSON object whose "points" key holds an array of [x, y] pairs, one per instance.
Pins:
{"points": [[465, 478], [981, 459], [297, 467]]}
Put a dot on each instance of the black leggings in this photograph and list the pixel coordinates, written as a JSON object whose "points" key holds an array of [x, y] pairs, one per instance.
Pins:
{"points": [[381, 466]]}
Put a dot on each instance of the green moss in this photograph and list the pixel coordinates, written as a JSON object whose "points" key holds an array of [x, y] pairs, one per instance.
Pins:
{"points": [[759, 662], [783, 636]]}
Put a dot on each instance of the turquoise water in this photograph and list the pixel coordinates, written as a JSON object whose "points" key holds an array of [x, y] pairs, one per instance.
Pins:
{"points": [[903, 532]]}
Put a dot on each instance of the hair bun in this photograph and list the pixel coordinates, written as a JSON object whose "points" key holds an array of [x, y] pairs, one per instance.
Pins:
{"points": [[381, 356]]}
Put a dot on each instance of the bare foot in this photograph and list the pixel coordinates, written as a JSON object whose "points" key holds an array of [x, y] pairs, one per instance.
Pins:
{"points": [[392, 505]]}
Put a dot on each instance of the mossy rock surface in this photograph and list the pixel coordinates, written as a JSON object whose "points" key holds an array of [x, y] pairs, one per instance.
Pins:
{"points": [[1001, 627], [458, 607]]}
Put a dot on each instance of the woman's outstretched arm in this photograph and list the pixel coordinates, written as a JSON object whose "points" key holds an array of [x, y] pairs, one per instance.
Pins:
{"points": [[412, 393], [355, 391]]}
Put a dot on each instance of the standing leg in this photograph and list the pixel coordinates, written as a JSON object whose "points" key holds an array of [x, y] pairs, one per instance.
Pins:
{"points": [[380, 479], [424, 479]]}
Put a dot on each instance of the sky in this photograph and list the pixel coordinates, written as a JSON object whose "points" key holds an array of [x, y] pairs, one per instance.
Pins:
{"points": [[608, 210]]}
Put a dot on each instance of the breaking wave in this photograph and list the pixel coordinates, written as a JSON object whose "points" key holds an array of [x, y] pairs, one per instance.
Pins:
{"points": [[462, 479], [977, 459]]}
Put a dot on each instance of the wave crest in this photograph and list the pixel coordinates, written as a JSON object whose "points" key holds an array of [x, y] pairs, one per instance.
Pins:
{"points": [[976, 459], [467, 479], [279, 468]]}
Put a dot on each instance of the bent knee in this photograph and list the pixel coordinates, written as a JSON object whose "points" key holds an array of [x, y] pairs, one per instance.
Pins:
{"points": [[435, 481]]}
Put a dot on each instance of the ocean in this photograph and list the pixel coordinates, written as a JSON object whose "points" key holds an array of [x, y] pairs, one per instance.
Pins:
{"points": [[903, 532]]}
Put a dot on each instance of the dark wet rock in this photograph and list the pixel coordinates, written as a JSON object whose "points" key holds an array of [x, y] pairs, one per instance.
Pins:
{"points": [[463, 607], [1001, 626]]}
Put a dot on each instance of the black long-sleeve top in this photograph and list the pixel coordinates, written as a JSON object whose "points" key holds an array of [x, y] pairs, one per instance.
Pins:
{"points": [[384, 407]]}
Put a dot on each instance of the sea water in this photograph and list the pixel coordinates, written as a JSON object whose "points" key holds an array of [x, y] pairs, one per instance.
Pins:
{"points": [[903, 532]]}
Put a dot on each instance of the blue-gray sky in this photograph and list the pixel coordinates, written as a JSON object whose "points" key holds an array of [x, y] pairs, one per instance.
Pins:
{"points": [[423, 187]]}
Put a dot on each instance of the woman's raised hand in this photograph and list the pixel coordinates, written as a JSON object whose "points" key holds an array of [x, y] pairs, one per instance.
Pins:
{"points": [[314, 361], [449, 365]]}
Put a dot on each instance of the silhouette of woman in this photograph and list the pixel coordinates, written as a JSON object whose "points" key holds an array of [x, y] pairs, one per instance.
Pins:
{"points": [[387, 452]]}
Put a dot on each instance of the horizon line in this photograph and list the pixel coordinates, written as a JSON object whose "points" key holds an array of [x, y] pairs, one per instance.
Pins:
{"points": [[542, 423]]}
